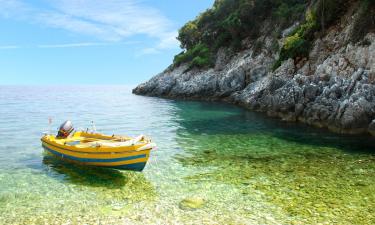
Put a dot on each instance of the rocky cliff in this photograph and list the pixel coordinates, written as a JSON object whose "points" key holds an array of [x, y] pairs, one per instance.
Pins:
{"points": [[332, 87]]}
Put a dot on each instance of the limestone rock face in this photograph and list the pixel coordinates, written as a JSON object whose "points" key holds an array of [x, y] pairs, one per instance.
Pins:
{"points": [[333, 88], [226, 78], [345, 106]]}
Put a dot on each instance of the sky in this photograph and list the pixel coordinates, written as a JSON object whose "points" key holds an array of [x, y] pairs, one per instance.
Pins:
{"points": [[90, 41]]}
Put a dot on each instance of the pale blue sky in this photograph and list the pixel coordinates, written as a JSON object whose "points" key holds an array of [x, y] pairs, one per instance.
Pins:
{"points": [[90, 41]]}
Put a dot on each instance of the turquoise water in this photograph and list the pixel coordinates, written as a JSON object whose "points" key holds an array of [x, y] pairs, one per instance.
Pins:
{"points": [[232, 166]]}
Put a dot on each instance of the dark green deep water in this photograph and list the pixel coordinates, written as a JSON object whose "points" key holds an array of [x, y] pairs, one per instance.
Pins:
{"points": [[244, 167]]}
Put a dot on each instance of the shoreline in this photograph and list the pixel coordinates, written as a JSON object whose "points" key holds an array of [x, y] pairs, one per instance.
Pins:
{"points": [[332, 85], [281, 117]]}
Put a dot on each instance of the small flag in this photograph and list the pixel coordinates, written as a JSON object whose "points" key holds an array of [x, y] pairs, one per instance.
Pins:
{"points": [[49, 120]]}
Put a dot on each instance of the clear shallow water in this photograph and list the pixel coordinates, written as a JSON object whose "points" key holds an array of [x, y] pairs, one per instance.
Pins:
{"points": [[248, 169]]}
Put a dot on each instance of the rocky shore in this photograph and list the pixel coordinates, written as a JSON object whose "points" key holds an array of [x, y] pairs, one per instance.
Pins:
{"points": [[334, 87]]}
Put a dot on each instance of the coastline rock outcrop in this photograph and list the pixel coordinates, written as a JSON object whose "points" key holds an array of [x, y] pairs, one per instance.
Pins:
{"points": [[333, 88]]}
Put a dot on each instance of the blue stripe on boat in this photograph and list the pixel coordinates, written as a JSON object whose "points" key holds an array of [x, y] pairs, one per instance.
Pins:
{"points": [[43, 143], [93, 160]]}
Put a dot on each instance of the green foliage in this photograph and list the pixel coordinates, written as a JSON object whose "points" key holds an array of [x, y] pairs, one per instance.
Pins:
{"points": [[198, 56], [188, 35], [222, 40], [298, 44], [294, 46], [180, 58], [232, 22], [289, 12], [276, 64], [307, 29], [200, 61], [228, 22], [323, 14]]}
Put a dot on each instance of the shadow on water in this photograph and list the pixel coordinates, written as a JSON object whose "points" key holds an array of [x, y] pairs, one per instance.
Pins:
{"points": [[83, 175], [225, 119]]}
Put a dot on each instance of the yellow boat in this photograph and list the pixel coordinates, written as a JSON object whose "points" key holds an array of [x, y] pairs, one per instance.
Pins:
{"points": [[93, 149]]}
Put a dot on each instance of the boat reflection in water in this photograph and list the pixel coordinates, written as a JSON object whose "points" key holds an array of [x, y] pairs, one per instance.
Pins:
{"points": [[78, 174]]}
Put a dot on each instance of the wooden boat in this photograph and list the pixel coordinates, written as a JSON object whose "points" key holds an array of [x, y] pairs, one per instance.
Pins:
{"points": [[94, 149]]}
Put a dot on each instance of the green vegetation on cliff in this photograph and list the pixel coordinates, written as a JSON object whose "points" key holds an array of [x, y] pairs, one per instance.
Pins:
{"points": [[198, 56], [321, 15], [229, 22], [298, 43]]}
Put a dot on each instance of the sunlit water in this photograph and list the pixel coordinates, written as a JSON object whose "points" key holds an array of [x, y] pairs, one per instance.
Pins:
{"points": [[248, 169]]}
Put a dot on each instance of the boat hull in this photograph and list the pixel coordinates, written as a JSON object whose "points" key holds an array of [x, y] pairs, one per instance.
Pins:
{"points": [[128, 160]]}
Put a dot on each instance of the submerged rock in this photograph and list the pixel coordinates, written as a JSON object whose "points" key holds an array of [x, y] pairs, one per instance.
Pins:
{"points": [[192, 203]]}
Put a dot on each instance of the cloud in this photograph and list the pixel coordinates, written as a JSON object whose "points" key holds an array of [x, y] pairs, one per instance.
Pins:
{"points": [[74, 45], [66, 22], [13, 8], [71, 45], [9, 46], [148, 51], [169, 40], [85, 44], [109, 20]]}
